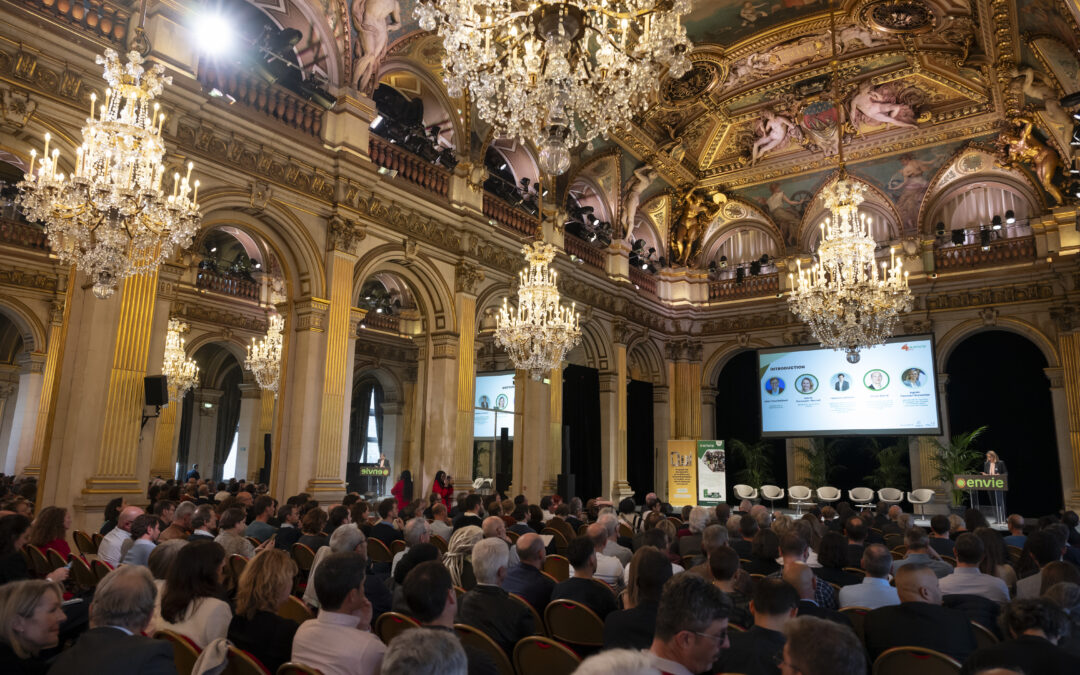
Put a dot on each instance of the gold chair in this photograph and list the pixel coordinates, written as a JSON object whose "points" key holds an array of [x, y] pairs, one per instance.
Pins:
{"points": [[185, 653], [538, 623], [254, 542], [512, 535], [295, 609], [378, 552], [574, 623], [949, 559], [1015, 553], [397, 546], [239, 662], [908, 660], [39, 564], [97, 538], [293, 668], [441, 544], [237, 563], [857, 616], [303, 556], [625, 531], [560, 541], [983, 636], [84, 542], [82, 574], [537, 655], [557, 566], [101, 569], [856, 570], [479, 640], [392, 624], [55, 559]]}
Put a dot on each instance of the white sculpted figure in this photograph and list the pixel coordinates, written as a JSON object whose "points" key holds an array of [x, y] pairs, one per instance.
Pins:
{"points": [[866, 36], [632, 189], [373, 19], [1034, 84], [773, 131], [878, 104]]}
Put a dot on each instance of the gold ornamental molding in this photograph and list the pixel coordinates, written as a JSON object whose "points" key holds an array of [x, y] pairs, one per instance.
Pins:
{"points": [[199, 312], [30, 280], [994, 295]]}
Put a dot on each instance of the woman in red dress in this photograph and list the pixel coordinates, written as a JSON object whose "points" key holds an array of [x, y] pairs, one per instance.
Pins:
{"points": [[50, 530], [403, 490], [443, 487]]}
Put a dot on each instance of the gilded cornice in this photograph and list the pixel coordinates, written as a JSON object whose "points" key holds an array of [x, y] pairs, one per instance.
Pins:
{"points": [[197, 311], [993, 295], [29, 279]]}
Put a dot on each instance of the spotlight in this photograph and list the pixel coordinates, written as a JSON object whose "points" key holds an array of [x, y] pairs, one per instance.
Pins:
{"points": [[712, 265], [213, 250], [392, 173], [1010, 217], [379, 310], [941, 229], [644, 265], [258, 265], [503, 167], [958, 237], [214, 34], [764, 260], [995, 223], [376, 122], [984, 239], [723, 261]]}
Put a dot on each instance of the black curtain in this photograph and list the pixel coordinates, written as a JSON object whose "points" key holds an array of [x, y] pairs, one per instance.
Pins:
{"points": [[187, 419], [996, 379], [228, 417], [581, 414], [358, 422], [639, 439]]}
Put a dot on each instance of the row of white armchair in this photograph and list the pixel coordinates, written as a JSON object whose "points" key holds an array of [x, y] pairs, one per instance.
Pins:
{"points": [[860, 497]]}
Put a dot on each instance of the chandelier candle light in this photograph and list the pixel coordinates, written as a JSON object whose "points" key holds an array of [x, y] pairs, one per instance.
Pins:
{"points": [[264, 357], [539, 331], [558, 73], [110, 217], [182, 372]]}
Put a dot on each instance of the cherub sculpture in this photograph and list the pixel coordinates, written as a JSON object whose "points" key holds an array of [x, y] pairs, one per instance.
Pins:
{"points": [[1020, 146], [772, 131]]}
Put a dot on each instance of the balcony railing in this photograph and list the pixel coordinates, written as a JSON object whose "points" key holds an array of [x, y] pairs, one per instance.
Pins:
{"points": [[751, 286], [582, 249], [511, 217], [643, 280], [412, 168], [17, 232], [382, 321], [1001, 252], [226, 284], [99, 18], [272, 100]]}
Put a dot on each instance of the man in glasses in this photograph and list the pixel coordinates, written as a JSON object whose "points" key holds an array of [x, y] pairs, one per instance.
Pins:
{"points": [[691, 626]]}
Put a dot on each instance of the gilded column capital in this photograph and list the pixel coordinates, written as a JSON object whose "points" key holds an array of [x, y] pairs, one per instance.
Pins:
{"points": [[356, 317], [250, 390], [7, 389], [444, 346], [1066, 317], [466, 277], [1056, 377], [311, 314], [31, 362], [683, 350], [344, 234], [609, 382], [620, 332], [660, 393], [56, 312]]}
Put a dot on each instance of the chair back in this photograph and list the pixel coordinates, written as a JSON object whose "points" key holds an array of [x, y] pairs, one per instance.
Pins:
{"points": [[185, 653], [584, 530], [82, 574], [560, 541], [441, 544], [890, 495], [254, 542], [861, 494], [828, 493], [625, 531], [100, 568], [55, 559], [856, 570], [392, 624], [573, 622], [303, 556], [920, 496], [949, 559], [983, 636], [97, 538], [743, 491], [84, 542], [857, 616], [772, 492], [539, 628], [237, 563], [907, 660], [293, 668], [1015, 553], [295, 609], [557, 566], [561, 525], [479, 640], [397, 546], [512, 535], [543, 656], [39, 564], [378, 552], [239, 662], [799, 493], [894, 540]]}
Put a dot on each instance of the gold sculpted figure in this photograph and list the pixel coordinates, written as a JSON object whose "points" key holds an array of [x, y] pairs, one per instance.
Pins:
{"points": [[1020, 146]]}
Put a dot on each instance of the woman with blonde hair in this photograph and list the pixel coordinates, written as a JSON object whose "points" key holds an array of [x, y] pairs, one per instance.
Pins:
{"points": [[256, 628], [30, 618], [458, 557]]}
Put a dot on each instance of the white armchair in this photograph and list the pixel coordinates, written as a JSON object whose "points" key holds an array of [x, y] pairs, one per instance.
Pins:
{"points": [[801, 496], [773, 493], [829, 494], [920, 498], [890, 495], [862, 497], [743, 491]]}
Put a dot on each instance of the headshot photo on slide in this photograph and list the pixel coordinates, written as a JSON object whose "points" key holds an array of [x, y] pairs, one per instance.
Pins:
{"points": [[913, 377], [806, 384], [840, 382], [774, 386], [876, 379]]}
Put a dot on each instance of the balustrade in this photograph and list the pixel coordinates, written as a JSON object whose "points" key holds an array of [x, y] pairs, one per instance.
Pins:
{"points": [[643, 280], [412, 168], [99, 18], [511, 217], [751, 286], [251, 91], [1000, 252], [227, 284], [582, 249]]}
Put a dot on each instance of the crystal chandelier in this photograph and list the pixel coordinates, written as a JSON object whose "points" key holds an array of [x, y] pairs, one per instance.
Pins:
{"points": [[842, 298], [539, 331], [182, 372], [558, 72], [110, 217], [264, 357]]}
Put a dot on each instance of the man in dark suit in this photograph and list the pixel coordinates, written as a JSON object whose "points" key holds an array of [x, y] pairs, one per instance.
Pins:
{"points": [[856, 530], [754, 652], [470, 514], [489, 608], [384, 530], [939, 536], [582, 587], [122, 606], [842, 383], [520, 515], [525, 578], [748, 527], [802, 579], [289, 531], [919, 620]]}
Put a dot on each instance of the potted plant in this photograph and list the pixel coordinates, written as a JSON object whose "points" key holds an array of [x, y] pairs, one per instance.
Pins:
{"points": [[756, 457], [891, 470], [820, 462], [956, 457]]}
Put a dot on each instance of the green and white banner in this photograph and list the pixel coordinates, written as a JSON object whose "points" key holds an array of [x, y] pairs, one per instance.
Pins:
{"points": [[711, 472]]}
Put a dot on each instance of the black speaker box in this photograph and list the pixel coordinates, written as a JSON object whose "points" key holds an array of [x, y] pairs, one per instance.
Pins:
{"points": [[157, 389], [567, 489]]}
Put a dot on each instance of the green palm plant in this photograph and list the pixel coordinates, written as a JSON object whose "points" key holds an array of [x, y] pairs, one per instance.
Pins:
{"points": [[956, 457], [891, 470], [756, 457], [820, 462]]}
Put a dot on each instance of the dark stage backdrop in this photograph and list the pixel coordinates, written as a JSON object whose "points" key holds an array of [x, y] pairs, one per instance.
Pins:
{"points": [[581, 414], [996, 379], [639, 439]]}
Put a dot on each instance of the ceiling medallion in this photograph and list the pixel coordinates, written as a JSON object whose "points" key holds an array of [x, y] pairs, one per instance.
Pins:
{"points": [[907, 17], [701, 78]]}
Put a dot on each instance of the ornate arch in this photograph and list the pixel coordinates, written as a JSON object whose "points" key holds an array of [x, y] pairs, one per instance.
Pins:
{"points": [[391, 385], [594, 346], [432, 293], [957, 334], [725, 232], [711, 369], [215, 366], [30, 326], [644, 351], [876, 199], [401, 62], [490, 297]]}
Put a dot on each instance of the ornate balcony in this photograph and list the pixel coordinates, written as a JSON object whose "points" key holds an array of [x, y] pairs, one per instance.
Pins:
{"points": [[412, 168], [509, 216], [643, 280], [107, 20], [752, 286], [226, 284], [582, 249], [970, 256], [387, 322], [252, 92], [14, 230]]}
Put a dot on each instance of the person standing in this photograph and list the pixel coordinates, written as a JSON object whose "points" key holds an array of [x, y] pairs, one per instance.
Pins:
{"points": [[403, 490], [383, 463], [444, 487]]}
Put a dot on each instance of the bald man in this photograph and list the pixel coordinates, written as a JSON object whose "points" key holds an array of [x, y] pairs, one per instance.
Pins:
{"points": [[608, 568], [525, 578], [919, 620], [804, 581], [494, 527], [112, 549]]}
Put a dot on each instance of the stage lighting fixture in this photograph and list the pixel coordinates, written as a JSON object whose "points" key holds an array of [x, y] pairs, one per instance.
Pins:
{"points": [[723, 261], [1010, 217], [740, 274], [712, 265], [958, 237], [1069, 100], [995, 222], [764, 260], [376, 122], [214, 34], [941, 229], [984, 239], [755, 268]]}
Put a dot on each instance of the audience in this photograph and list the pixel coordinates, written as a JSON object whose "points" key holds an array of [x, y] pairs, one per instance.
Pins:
{"points": [[111, 548], [440, 524], [802, 579], [488, 607], [815, 646], [939, 536], [144, 534], [262, 511], [995, 557], [755, 651], [832, 556], [50, 531], [612, 548], [30, 619], [713, 538], [422, 651], [793, 549], [748, 528], [733, 581], [606, 568], [920, 553], [633, 626], [416, 532], [458, 558], [231, 530], [1034, 627], [288, 532], [967, 578], [691, 626], [1042, 548], [203, 524], [525, 578], [263, 588], [1016, 531], [180, 527], [856, 529], [470, 514], [192, 602], [582, 586], [764, 551], [311, 530], [874, 591]]}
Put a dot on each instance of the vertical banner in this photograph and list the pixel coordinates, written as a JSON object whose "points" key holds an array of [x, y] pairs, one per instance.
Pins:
{"points": [[711, 472], [682, 473]]}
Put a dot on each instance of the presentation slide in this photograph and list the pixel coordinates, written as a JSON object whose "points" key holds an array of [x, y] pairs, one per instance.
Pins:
{"points": [[494, 405], [888, 390]]}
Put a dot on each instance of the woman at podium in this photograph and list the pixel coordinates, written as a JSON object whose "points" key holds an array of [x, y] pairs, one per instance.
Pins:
{"points": [[994, 466]]}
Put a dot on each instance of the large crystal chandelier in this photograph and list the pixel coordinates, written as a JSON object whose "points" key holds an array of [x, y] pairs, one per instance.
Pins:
{"points": [[539, 331], [842, 297], [558, 72], [182, 372], [264, 357], [110, 217]]}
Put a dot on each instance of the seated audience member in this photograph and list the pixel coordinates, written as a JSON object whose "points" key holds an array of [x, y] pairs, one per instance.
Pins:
{"points": [[1034, 627], [488, 607], [440, 523], [525, 578], [892, 524], [339, 640], [180, 527], [712, 538], [338, 516], [856, 530], [612, 547], [1070, 553], [690, 544], [192, 603], [263, 588], [387, 530], [1043, 548], [1016, 531], [112, 514], [203, 524], [1058, 572], [691, 626], [416, 532], [288, 532], [161, 560], [14, 532], [349, 539], [814, 646], [832, 556], [144, 533], [111, 548], [608, 569], [582, 586], [919, 620], [755, 652], [262, 510], [793, 549], [939, 536], [633, 626], [763, 553], [50, 531], [458, 558], [423, 651], [418, 554], [622, 661], [1067, 596], [874, 591], [311, 530], [495, 528], [725, 573], [973, 520], [119, 614], [430, 599], [230, 536], [30, 618], [748, 527], [802, 579], [995, 560], [919, 553], [471, 512], [967, 578]]}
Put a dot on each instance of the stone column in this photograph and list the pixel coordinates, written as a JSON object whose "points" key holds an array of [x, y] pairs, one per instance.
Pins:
{"points": [[619, 486], [356, 316], [158, 438], [554, 447], [267, 406], [438, 444], [532, 403], [922, 451], [466, 277], [661, 434], [1067, 415], [50, 380], [249, 438], [204, 431], [684, 370], [609, 429], [8, 393], [163, 461], [24, 421], [708, 413], [294, 462]]}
